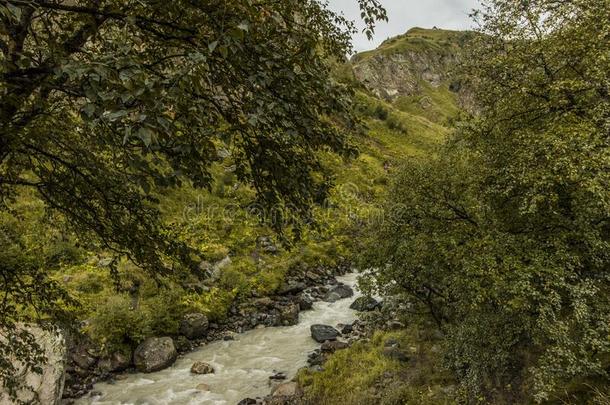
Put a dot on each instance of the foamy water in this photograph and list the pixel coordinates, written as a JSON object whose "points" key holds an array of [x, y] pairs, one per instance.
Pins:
{"points": [[242, 366]]}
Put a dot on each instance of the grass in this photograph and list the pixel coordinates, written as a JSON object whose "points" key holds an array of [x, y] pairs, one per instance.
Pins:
{"points": [[362, 375], [419, 40]]}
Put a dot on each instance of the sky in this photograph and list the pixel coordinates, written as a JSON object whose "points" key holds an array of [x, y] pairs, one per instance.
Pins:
{"points": [[406, 14]]}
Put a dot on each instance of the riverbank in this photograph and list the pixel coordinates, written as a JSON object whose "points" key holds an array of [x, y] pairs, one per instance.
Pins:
{"points": [[297, 294]]}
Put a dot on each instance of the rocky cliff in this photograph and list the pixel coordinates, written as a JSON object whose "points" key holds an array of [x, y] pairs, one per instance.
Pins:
{"points": [[421, 63]]}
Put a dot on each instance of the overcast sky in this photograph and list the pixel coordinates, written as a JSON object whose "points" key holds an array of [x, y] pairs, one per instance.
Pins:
{"points": [[405, 14]]}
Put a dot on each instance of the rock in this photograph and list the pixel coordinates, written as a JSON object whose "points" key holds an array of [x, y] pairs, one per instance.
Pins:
{"points": [[194, 326], [338, 292], [289, 315], [322, 333], [365, 304], [305, 303], [200, 367], [267, 245], [116, 362], [203, 387], [155, 354], [292, 288], [333, 346], [287, 389], [331, 297], [278, 376], [228, 335], [395, 325], [82, 358], [347, 329], [395, 354], [391, 343], [247, 401], [48, 386]]}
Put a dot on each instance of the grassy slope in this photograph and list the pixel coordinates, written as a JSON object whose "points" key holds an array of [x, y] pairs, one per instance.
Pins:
{"points": [[404, 129]]}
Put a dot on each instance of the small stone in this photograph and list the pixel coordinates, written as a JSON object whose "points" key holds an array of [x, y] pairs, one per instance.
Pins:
{"points": [[200, 367], [278, 376]]}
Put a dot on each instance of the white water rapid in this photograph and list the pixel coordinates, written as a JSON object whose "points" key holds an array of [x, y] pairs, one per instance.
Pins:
{"points": [[243, 366]]}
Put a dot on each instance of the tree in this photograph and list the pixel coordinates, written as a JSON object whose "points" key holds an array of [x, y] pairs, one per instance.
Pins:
{"points": [[503, 239], [105, 101]]}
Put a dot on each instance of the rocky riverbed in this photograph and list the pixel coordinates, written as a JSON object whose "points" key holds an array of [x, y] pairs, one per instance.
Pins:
{"points": [[249, 364]]}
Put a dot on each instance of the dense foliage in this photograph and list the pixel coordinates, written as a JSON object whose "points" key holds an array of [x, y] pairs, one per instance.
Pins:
{"points": [[104, 104], [503, 238]]}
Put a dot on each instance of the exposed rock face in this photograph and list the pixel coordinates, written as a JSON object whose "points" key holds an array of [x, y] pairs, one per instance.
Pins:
{"points": [[322, 333], [200, 367], [365, 304], [48, 386], [194, 326], [155, 354], [403, 65]]}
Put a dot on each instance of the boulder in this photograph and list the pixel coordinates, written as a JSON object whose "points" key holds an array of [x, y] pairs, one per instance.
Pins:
{"points": [[322, 333], [117, 361], [292, 288], [365, 304], [289, 314], [194, 326], [47, 386], [333, 346], [338, 292], [247, 401], [155, 354], [347, 329], [200, 367], [305, 303], [80, 356]]}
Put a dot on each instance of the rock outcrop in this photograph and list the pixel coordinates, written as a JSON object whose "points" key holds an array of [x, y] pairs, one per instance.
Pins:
{"points": [[406, 65], [45, 387]]}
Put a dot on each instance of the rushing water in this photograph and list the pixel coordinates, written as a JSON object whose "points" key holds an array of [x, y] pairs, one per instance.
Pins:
{"points": [[243, 366]]}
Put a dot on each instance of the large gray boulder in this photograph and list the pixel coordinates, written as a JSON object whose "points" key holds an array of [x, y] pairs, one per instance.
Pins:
{"points": [[155, 354], [49, 385], [194, 326], [322, 333]]}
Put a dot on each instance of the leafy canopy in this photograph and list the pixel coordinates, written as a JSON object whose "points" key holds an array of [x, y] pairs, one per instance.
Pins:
{"points": [[104, 103], [503, 239]]}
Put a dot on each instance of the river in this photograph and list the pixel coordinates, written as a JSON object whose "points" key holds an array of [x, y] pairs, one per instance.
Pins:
{"points": [[242, 366]]}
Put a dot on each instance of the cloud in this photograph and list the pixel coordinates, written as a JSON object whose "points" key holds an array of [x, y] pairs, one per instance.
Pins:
{"points": [[406, 14]]}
